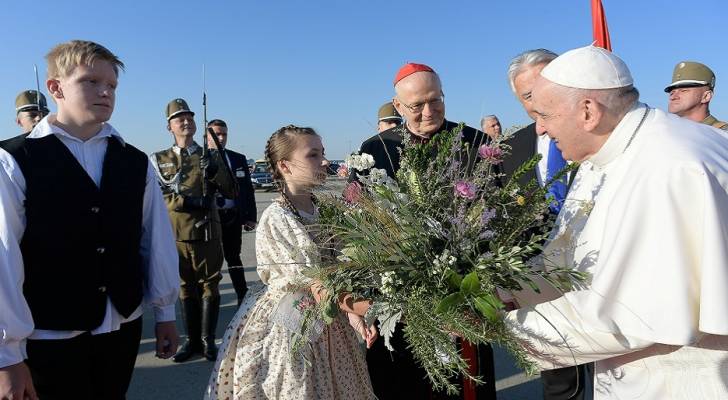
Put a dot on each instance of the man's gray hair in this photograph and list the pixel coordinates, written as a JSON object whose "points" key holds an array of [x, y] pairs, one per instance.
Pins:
{"points": [[487, 117], [527, 59]]}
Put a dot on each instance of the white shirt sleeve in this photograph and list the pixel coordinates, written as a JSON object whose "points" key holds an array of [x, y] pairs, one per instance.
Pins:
{"points": [[16, 322], [554, 335], [159, 252]]}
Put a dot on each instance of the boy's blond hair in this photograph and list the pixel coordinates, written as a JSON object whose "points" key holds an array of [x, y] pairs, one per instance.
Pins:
{"points": [[63, 58]]}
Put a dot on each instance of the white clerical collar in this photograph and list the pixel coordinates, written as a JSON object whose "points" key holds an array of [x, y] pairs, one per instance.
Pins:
{"points": [[46, 127], [189, 149], [620, 137]]}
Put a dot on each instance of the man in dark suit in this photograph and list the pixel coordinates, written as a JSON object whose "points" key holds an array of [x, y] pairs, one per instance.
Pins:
{"points": [[524, 69], [420, 100], [235, 214]]}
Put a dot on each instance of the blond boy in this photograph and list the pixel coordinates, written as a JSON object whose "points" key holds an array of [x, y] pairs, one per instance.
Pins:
{"points": [[85, 237]]}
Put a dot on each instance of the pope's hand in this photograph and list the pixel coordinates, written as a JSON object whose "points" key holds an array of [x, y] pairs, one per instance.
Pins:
{"points": [[507, 299], [16, 383]]}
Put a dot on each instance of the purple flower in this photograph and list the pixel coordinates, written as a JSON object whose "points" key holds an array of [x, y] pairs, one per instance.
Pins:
{"points": [[492, 154], [465, 189], [487, 216]]}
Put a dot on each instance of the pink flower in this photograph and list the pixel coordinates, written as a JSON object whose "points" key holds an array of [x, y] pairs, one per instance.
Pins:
{"points": [[352, 192], [492, 154], [465, 189], [343, 171]]}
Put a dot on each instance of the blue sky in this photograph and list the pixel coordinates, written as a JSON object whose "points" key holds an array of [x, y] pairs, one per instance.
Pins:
{"points": [[329, 64]]}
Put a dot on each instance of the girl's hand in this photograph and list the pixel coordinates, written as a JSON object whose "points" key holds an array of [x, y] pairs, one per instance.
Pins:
{"points": [[372, 336]]}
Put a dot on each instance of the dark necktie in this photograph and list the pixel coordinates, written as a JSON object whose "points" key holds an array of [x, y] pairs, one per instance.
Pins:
{"points": [[554, 163]]}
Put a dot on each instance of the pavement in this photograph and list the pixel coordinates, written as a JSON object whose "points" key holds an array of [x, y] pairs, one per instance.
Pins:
{"points": [[164, 380]]}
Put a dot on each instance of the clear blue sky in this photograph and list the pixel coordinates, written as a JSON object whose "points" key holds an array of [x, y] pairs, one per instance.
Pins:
{"points": [[329, 64]]}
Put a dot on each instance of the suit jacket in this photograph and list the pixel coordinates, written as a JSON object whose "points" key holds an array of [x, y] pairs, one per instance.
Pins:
{"points": [[245, 199], [385, 146], [523, 146]]}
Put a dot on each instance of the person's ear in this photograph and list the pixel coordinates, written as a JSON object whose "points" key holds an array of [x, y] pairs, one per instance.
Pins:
{"points": [[398, 106], [283, 167], [591, 113], [54, 88], [706, 97]]}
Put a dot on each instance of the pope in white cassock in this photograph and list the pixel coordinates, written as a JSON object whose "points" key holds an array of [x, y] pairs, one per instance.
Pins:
{"points": [[647, 218]]}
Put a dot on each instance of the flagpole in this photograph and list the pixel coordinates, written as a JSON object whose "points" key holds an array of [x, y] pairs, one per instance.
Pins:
{"points": [[600, 30]]}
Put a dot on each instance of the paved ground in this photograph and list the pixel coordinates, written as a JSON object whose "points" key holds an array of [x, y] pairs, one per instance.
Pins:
{"points": [[163, 379]]}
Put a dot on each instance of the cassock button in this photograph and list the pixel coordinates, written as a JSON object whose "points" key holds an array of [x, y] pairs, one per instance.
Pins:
{"points": [[95, 210], [102, 289], [101, 250]]}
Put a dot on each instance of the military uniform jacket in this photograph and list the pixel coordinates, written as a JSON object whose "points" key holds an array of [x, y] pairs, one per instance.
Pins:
{"points": [[715, 123], [179, 176]]}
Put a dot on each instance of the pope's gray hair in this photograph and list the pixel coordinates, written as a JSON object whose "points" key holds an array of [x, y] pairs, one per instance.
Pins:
{"points": [[527, 59], [617, 100]]}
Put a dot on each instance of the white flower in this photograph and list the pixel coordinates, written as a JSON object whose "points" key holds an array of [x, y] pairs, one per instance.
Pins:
{"points": [[389, 281], [360, 162], [377, 175], [443, 261]]}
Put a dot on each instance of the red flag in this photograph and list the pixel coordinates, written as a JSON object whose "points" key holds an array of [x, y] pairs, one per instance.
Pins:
{"points": [[599, 26]]}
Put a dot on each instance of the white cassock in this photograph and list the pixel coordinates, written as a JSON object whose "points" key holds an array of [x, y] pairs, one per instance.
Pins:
{"points": [[647, 217]]}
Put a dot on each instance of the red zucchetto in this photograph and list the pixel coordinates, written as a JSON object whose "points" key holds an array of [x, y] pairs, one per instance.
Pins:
{"points": [[409, 69]]}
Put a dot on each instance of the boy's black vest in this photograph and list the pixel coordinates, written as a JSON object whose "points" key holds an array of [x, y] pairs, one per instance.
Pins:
{"points": [[81, 242]]}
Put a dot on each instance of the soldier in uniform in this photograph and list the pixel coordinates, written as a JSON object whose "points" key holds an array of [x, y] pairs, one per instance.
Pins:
{"points": [[387, 117], [30, 108], [690, 93], [237, 213], [180, 170]]}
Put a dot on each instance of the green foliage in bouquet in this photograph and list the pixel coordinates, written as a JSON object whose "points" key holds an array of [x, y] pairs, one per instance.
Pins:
{"points": [[433, 247]]}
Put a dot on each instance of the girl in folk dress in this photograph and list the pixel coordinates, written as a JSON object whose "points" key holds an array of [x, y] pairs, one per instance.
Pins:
{"points": [[255, 360]]}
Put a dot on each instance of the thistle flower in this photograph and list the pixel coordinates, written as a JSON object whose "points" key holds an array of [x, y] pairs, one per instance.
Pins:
{"points": [[352, 192], [491, 154], [465, 189]]}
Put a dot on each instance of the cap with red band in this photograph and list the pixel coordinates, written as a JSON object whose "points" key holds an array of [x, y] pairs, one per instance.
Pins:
{"points": [[409, 69]]}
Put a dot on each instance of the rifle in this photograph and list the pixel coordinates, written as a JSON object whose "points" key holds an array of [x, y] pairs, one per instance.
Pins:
{"points": [[205, 152], [205, 155], [37, 89]]}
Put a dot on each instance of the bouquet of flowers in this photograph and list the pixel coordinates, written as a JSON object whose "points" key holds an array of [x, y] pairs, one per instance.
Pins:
{"points": [[432, 248]]}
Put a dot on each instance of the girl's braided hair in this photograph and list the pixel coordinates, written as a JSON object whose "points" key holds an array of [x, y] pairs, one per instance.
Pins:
{"points": [[280, 146]]}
